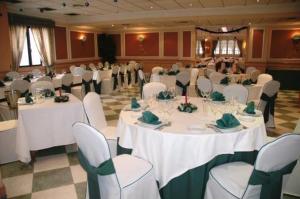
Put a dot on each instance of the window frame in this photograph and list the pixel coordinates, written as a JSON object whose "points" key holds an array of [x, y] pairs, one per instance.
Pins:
{"points": [[219, 52], [29, 51]]}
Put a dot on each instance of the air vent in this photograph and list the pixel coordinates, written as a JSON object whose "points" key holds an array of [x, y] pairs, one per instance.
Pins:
{"points": [[72, 14], [46, 9], [12, 1]]}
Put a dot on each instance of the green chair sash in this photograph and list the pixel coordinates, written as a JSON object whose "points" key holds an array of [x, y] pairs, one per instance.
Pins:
{"points": [[105, 168], [271, 181]]}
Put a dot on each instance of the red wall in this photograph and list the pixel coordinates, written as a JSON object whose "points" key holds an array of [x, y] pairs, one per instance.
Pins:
{"points": [[257, 45], [171, 44], [282, 45], [149, 47], [117, 40], [81, 49], [61, 43], [186, 43]]}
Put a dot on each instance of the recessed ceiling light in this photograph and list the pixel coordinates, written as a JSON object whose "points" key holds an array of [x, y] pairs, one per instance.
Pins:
{"points": [[190, 4], [112, 25], [224, 29], [151, 7]]}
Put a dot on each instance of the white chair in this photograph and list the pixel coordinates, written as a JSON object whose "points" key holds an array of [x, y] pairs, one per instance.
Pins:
{"points": [[41, 85], [267, 99], [78, 71], [155, 77], [100, 65], [129, 178], [157, 69], [83, 66], [152, 88], [80, 91], [142, 81], [95, 114], [232, 180], [175, 67], [123, 76], [20, 85], [45, 78], [254, 75], [13, 75], [204, 84], [8, 131], [193, 82], [67, 81], [216, 77], [72, 68], [209, 71], [182, 82], [262, 79], [36, 72], [250, 69], [92, 67], [106, 65], [107, 83], [237, 92], [97, 81]]}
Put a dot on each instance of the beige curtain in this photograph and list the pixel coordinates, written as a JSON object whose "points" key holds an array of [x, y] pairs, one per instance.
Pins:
{"points": [[17, 39], [43, 37]]}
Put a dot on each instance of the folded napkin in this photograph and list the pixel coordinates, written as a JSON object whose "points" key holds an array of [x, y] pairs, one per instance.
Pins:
{"points": [[134, 103], [217, 96], [149, 118], [227, 121], [247, 82], [164, 95], [2, 84], [187, 107], [250, 109], [28, 98], [224, 81]]}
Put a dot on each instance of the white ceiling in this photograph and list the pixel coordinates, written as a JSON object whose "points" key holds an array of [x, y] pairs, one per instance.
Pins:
{"points": [[101, 14]]}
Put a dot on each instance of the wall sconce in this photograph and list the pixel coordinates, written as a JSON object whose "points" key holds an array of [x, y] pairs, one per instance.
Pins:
{"points": [[141, 38], [296, 38], [82, 38]]}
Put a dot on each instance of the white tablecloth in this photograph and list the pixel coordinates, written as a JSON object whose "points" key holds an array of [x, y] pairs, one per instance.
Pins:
{"points": [[176, 149], [46, 125], [254, 91]]}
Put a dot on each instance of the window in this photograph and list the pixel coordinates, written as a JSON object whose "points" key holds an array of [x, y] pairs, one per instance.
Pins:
{"points": [[227, 47], [30, 55], [199, 49]]}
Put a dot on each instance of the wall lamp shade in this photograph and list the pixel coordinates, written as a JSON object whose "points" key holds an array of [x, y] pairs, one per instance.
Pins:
{"points": [[141, 38], [82, 38], [296, 38]]}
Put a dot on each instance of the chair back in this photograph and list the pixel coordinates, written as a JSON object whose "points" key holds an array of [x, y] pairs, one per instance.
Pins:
{"points": [[67, 79], [115, 69], [155, 77], [41, 85], [262, 79], [237, 92], [106, 64], [175, 67], [13, 75], [204, 84], [194, 76], [20, 85], [87, 76], [78, 71], [106, 74], [83, 66], [250, 69], [72, 68], [94, 147], [94, 111], [152, 88], [216, 77], [92, 67], [45, 78], [36, 72], [157, 69], [123, 69], [182, 82], [254, 75]]}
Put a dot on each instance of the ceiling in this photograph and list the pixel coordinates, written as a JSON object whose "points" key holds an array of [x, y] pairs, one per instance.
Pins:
{"points": [[107, 14]]}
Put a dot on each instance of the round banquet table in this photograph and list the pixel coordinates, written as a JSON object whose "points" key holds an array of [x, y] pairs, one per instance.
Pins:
{"points": [[181, 155]]}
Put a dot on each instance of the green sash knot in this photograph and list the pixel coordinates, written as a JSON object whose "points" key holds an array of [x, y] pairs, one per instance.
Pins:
{"points": [[105, 168], [271, 181]]}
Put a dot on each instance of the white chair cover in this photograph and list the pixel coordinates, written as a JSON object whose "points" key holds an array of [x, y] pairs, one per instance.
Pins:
{"points": [[72, 68], [250, 69], [83, 66], [67, 81], [106, 65], [95, 114], [133, 177], [152, 88], [230, 181], [92, 67], [216, 77], [193, 82], [36, 72], [41, 85], [175, 67], [209, 71], [80, 91], [270, 89], [100, 65], [8, 131], [45, 78], [20, 85], [79, 71], [254, 75], [107, 83], [204, 84], [13, 75], [155, 77], [237, 92], [182, 78], [123, 76], [262, 79], [157, 69]]}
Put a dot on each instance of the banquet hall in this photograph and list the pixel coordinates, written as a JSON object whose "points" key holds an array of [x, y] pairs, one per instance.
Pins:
{"points": [[149, 99]]}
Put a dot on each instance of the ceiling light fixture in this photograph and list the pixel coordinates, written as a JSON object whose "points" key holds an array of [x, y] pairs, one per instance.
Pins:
{"points": [[112, 25], [151, 7], [190, 4], [224, 29]]}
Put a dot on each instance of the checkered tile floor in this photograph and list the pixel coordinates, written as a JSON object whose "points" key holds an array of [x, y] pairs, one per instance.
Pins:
{"points": [[56, 174]]}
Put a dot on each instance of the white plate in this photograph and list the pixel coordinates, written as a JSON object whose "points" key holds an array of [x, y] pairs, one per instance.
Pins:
{"points": [[21, 101], [231, 130], [257, 113]]}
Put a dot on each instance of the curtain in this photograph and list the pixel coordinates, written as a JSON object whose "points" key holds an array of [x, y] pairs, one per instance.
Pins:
{"points": [[240, 45], [214, 45], [203, 47], [43, 37], [17, 39]]}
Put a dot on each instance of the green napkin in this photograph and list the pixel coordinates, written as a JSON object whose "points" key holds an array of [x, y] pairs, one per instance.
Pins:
{"points": [[217, 96], [134, 103], [28, 99], [149, 118], [247, 82], [161, 95], [250, 109], [188, 107], [224, 81], [227, 121]]}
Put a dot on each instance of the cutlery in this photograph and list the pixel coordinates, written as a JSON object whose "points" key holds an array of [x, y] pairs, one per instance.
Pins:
{"points": [[213, 127], [163, 125]]}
